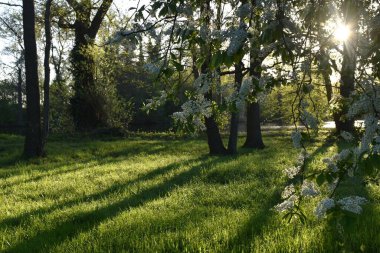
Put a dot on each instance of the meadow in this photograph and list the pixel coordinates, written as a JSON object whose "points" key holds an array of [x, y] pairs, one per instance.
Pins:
{"points": [[160, 193]]}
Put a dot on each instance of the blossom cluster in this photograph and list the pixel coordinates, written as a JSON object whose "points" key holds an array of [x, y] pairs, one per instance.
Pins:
{"points": [[351, 204], [154, 103], [193, 112]]}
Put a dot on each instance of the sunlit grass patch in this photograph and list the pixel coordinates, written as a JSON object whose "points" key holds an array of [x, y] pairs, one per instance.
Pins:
{"points": [[153, 194]]}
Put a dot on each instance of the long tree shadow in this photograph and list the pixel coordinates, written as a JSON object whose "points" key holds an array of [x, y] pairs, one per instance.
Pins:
{"points": [[91, 160], [85, 221], [115, 188], [242, 241]]}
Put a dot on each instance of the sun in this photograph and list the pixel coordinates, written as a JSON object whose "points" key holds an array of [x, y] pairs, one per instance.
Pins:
{"points": [[342, 32]]}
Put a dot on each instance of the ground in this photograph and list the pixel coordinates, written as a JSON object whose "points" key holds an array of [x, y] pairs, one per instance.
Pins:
{"points": [[154, 193]]}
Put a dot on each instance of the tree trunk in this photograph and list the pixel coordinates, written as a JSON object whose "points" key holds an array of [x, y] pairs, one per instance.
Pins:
{"points": [[214, 139], [86, 104], [328, 86], [47, 71], [234, 121], [33, 141], [347, 84], [19, 98], [86, 113], [254, 137]]}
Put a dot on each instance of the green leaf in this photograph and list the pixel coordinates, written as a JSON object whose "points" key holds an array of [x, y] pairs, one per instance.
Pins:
{"points": [[320, 179], [228, 60], [177, 65], [216, 60], [164, 11]]}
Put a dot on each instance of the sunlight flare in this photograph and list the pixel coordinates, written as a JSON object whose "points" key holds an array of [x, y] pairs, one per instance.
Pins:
{"points": [[342, 32]]}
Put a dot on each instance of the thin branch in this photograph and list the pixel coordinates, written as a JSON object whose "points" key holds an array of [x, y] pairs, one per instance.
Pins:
{"points": [[11, 5]]}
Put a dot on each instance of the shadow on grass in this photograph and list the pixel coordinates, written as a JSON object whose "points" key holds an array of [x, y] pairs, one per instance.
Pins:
{"points": [[85, 221], [78, 163], [115, 188], [254, 226]]}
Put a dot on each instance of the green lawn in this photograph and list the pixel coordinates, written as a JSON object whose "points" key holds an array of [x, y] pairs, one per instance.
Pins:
{"points": [[151, 194]]}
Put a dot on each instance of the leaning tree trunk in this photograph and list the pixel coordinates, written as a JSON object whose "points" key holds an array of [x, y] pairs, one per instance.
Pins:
{"points": [[33, 141], [47, 71]]}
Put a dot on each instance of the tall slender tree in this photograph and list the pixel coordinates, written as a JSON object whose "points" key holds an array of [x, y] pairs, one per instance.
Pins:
{"points": [[48, 43], [33, 141]]}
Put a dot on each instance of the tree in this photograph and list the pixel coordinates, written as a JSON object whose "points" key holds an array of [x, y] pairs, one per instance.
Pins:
{"points": [[85, 104], [33, 141], [48, 43]]}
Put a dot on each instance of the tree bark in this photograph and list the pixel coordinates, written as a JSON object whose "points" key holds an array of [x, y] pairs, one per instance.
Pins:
{"points": [[33, 141], [47, 71], [234, 121], [254, 137], [86, 104], [214, 139], [347, 82], [19, 97]]}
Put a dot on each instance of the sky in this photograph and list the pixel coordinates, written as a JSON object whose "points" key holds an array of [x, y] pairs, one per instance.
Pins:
{"points": [[122, 5]]}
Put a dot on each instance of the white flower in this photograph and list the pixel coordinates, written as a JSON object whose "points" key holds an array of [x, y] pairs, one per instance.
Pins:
{"points": [[287, 204], [308, 189], [343, 155], [347, 136], [236, 41], [331, 164], [288, 191], [323, 206], [244, 10], [352, 204], [292, 171], [309, 119], [297, 137], [155, 102]]}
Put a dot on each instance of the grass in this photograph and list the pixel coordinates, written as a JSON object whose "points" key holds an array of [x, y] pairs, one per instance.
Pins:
{"points": [[147, 194]]}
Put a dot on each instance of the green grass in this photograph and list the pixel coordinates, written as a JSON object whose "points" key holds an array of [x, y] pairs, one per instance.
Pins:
{"points": [[147, 194]]}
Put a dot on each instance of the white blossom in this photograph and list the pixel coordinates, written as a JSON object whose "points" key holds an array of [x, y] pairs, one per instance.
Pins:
{"points": [[343, 155], [309, 119], [288, 191], [291, 172], [323, 206], [237, 39], [297, 138], [286, 204], [346, 136], [352, 204], [154, 103], [308, 189], [244, 10], [331, 165]]}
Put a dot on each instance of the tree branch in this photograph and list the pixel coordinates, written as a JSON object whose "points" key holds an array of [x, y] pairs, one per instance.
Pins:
{"points": [[99, 16], [11, 5], [74, 4]]}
